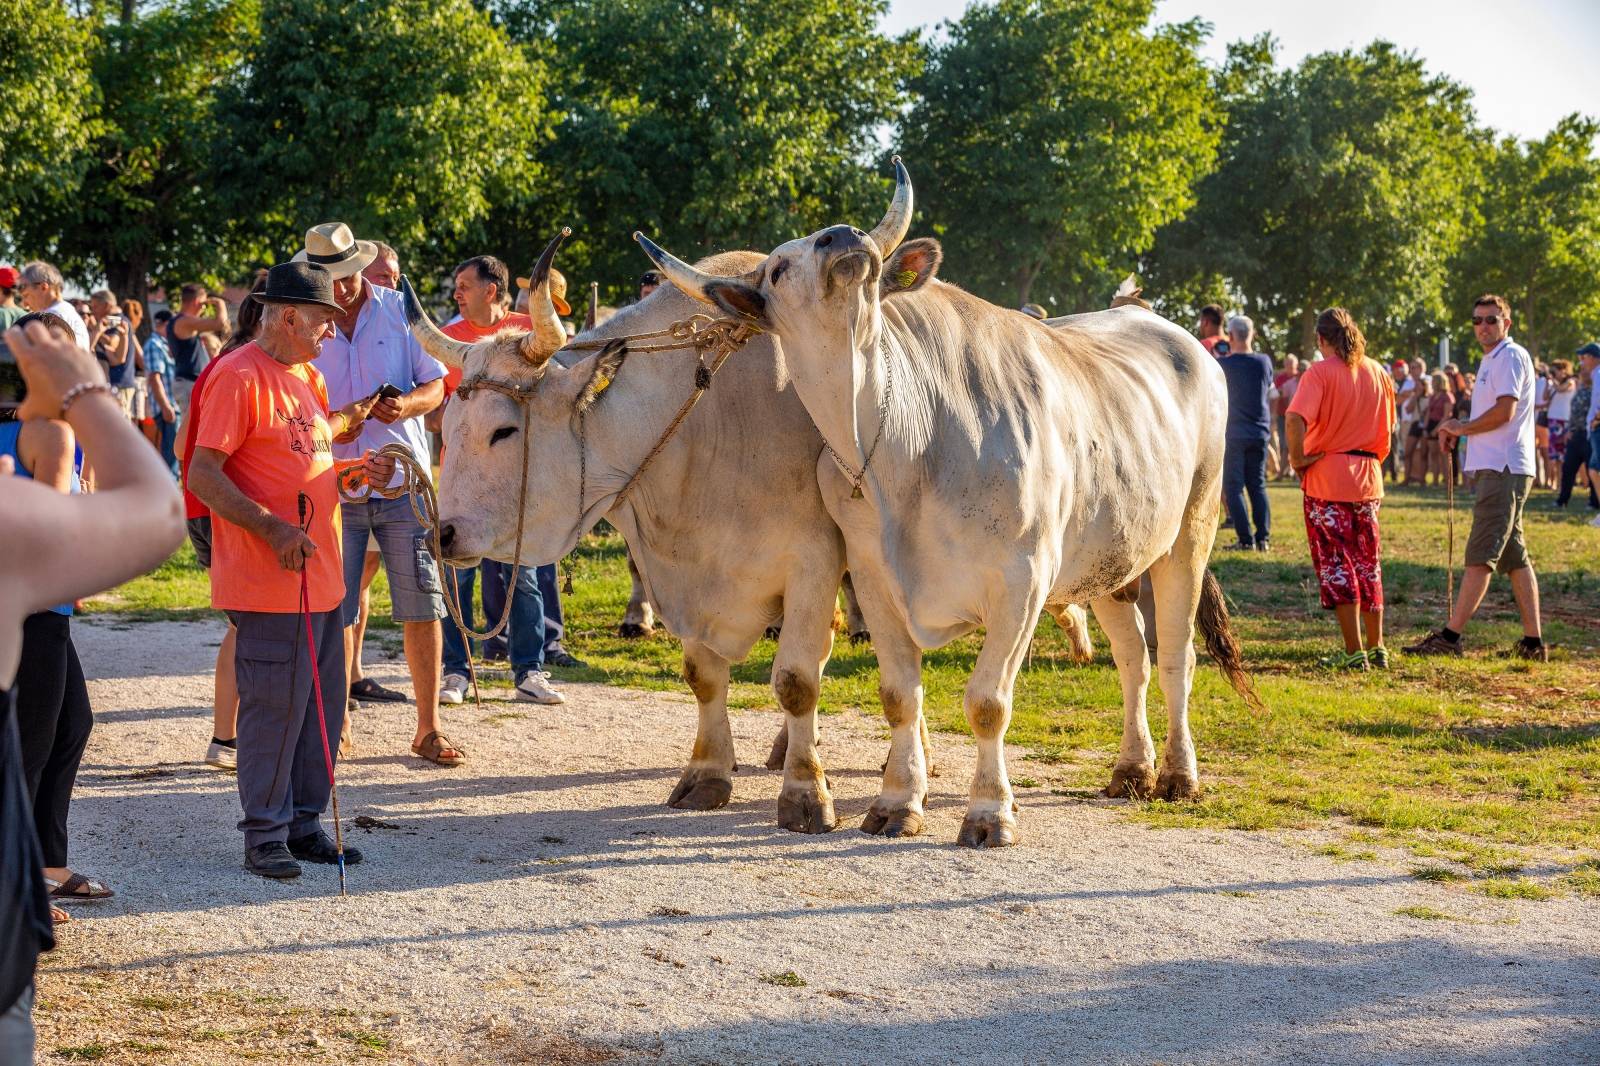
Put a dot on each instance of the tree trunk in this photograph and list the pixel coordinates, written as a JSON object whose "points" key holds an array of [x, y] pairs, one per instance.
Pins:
{"points": [[1308, 332], [129, 278], [1025, 279]]}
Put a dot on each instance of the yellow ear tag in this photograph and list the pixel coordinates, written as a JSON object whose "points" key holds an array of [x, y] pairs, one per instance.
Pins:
{"points": [[906, 278], [602, 385]]}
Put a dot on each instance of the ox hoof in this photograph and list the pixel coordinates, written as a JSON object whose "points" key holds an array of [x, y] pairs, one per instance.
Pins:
{"points": [[1177, 786], [633, 631], [861, 637], [900, 822], [806, 811], [1132, 782], [698, 792], [987, 831], [780, 750]]}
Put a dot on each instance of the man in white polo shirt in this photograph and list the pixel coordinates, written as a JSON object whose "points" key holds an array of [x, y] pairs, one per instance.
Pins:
{"points": [[1500, 455]]}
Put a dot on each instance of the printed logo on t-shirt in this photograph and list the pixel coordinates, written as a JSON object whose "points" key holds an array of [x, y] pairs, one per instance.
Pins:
{"points": [[303, 434]]}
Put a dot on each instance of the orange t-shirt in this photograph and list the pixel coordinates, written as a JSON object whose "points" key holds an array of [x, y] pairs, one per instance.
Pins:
{"points": [[272, 421], [1346, 409], [462, 330]]}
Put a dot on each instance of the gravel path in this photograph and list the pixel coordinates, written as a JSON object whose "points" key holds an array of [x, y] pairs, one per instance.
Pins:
{"points": [[540, 904]]}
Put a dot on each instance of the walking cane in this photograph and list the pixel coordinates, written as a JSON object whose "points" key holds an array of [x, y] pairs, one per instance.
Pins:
{"points": [[1450, 528], [316, 684]]}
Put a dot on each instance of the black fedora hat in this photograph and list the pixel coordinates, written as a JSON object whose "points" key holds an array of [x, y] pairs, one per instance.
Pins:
{"points": [[299, 283]]}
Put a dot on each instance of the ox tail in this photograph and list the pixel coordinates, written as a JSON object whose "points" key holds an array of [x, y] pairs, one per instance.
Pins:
{"points": [[1223, 647]]}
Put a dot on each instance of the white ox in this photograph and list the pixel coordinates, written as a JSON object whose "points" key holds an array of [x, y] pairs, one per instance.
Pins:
{"points": [[727, 525], [986, 466]]}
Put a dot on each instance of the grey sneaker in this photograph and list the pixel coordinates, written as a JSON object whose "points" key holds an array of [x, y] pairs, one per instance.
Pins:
{"points": [[535, 686], [222, 757], [454, 689]]}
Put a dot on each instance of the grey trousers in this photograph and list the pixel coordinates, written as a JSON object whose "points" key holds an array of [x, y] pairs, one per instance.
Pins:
{"points": [[283, 778], [16, 1032]]}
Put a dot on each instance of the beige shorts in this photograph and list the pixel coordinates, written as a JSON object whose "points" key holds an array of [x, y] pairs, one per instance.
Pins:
{"points": [[1496, 539], [125, 398]]}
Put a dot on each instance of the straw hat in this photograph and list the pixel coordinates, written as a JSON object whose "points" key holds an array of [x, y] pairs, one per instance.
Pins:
{"points": [[558, 290], [334, 248]]}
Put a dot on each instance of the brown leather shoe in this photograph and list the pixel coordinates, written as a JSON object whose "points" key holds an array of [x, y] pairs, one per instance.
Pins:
{"points": [[1434, 644], [1541, 654]]}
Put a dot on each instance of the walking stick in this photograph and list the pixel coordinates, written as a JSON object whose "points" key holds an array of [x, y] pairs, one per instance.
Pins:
{"points": [[316, 684], [1450, 528]]}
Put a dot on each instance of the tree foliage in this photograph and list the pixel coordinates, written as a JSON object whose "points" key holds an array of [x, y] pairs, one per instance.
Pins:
{"points": [[1532, 238], [146, 208], [50, 109], [1051, 138], [406, 119], [1341, 182], [710, 124]]}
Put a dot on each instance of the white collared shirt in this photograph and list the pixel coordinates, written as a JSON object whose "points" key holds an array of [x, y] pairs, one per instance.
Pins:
{"points": [[74, 321], [1506, 371]]}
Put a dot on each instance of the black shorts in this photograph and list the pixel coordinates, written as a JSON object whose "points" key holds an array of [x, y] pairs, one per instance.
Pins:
{"points": [[200, 537]]}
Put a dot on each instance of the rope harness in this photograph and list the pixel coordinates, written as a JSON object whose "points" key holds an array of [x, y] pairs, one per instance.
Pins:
{"points": [[714, 339]]}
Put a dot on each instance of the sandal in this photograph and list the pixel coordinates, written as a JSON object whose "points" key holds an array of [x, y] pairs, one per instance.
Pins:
{"points": [[77, 887], [369, 691], [433, 747], [59, 916]]}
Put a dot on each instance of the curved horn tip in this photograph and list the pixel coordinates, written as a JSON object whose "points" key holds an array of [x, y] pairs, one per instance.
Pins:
{"points": [[566, 231], [896, 161]]}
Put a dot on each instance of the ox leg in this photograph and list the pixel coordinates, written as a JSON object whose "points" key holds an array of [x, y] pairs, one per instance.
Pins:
{"points": [[640, 618], [1073, 619], [991, 820], [1176, 580], [1134, 775], [805, 804], [707, 782], [898, 810], [855, 621]]}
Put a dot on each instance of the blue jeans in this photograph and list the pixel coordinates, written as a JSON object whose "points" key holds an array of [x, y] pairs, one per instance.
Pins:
{"points": [[554, 630], [167, 439], [1244, 468], [526, 629]]}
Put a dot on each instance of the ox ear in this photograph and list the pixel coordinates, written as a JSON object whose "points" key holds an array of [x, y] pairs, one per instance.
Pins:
{"points": [[744, 302], [910, 267], [605, 368]]}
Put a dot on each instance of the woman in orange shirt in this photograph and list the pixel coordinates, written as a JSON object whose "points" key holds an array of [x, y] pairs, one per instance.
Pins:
{"points": [[1339, 428]]}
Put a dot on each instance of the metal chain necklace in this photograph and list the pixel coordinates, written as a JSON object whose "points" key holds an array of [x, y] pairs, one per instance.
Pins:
{"points": [[856, 478]]}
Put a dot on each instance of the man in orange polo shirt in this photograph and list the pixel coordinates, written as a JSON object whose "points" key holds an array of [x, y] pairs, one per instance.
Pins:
{"points": [[263, 463]]}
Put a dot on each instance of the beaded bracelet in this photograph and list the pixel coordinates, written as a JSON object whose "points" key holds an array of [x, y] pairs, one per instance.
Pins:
{"points": [[80, 389]]}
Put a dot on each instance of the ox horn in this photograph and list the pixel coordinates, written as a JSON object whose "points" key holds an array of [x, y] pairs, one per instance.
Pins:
{"points": [[692, 280], [897, 223], [447, 350], [547, 335]]}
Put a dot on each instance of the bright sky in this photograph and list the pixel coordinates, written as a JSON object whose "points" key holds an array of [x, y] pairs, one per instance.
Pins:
{"points": [[1528, 62]]}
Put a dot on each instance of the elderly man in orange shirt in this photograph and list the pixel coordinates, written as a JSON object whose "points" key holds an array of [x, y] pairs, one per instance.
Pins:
{"points": [[263, 463], [1340, 427]]}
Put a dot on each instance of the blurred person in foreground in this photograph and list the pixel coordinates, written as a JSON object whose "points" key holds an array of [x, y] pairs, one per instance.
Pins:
{"points": [[1341, 427], [263, 463], [57, 551], [1500, 454]]}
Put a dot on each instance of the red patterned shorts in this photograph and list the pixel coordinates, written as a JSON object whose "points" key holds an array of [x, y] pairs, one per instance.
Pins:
{"points": [[1344, 552]]}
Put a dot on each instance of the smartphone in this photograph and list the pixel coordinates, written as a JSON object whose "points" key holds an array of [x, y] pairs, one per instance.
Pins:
{"points": [[1221, 349], [389, 392]]}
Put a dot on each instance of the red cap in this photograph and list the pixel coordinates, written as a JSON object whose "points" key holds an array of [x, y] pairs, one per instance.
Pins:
{"points": [[9, 277], [1399, 363]]}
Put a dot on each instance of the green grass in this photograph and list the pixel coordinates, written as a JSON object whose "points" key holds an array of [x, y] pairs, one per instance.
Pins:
{"points": [[1473, 760], [1519, 888], [786, 979], [1426, 914]]}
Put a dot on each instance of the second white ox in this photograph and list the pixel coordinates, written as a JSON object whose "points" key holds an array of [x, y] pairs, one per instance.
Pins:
{"points": [[984, 467]]}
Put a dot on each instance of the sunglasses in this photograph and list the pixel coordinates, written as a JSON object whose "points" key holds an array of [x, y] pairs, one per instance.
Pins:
{"points": [[1485, 320]]}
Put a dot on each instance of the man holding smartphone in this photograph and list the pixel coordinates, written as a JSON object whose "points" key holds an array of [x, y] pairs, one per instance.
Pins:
{"points": [[373, 354]]}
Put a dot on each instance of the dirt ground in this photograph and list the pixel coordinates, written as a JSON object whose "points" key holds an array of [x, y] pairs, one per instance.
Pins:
{"points": [[540, 904]]}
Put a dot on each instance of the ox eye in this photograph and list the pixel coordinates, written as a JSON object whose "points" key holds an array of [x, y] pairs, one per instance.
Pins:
{"points": [[777, 272], [501, 434]]}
